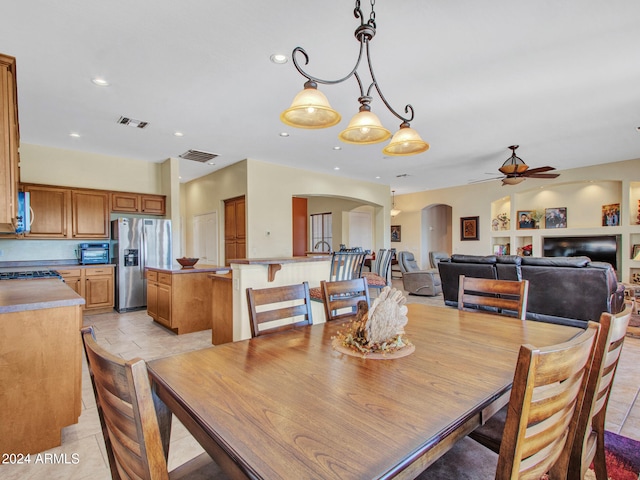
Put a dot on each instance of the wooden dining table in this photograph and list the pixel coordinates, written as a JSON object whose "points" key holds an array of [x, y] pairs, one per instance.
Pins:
{"points": [[290, 406]]}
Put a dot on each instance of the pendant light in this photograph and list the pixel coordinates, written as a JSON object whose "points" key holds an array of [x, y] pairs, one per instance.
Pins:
{"points": [[310, 108], [394, 210]]}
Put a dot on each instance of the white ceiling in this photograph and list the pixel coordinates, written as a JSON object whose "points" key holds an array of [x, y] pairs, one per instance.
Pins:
{"points": [[559, 78]]}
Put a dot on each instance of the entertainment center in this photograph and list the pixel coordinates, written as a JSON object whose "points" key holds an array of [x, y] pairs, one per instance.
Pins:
{"points": [[584, 231]]}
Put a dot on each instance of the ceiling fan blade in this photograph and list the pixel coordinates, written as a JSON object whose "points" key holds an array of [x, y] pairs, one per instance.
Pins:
{"points": [[543, 175], [537, 170], [484, 180]]}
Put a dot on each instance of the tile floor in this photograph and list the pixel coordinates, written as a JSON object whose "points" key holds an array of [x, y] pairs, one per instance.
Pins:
{"points": [[134, 334]]}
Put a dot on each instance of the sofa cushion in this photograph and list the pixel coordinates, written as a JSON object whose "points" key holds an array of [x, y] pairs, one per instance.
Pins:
{"points": [[459, 258], [556, 261]]}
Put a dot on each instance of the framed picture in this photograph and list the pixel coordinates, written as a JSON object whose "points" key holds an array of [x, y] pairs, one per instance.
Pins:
{"points": [[555, 217], [611, 215], [396, 233], [524, 220], [469, 228], [635, 255]]}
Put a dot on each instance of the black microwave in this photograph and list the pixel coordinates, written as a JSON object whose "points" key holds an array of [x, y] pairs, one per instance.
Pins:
{"points": [[93, 253]]}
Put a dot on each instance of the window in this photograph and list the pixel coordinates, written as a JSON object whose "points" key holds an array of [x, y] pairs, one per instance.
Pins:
{"points": [[321, 235]]}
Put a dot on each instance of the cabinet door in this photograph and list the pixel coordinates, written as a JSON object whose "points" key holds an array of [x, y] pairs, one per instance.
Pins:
{"points": [[153, 204], [240, 220], [125, 202], [50, 207], [99, 291], [90, 214], [164, 304], [152, 299], [9, 142]]}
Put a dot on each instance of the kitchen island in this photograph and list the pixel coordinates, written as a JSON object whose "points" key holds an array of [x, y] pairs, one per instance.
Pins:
{"points": [[180, 298], [41, 358]]}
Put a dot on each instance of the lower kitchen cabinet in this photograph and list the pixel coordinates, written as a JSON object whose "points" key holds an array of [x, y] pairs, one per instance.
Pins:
{"points": [[180, 299], [94, 284]]}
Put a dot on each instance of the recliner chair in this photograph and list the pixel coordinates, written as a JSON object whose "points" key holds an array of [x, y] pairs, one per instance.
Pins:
{"points": [[417, 281]]}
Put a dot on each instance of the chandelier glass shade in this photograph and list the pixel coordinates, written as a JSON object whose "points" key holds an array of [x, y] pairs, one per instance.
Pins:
{"points": [[311, 109], [513, 164]]}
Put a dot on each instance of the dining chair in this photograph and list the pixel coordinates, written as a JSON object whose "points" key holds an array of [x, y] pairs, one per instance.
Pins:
{"points": [[502, 295], [341, 295], [136, 426], [548, 389], [345, 265], [589, 443], [378, 277], [275, 309]]}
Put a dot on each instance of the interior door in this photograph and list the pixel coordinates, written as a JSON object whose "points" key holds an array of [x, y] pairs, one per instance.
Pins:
{"points": [[360, 230], [205, 238]]}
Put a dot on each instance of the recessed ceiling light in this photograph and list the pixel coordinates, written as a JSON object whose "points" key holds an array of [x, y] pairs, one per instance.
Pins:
{"points": [[284, 134], [378, 177], [178, 134], [279, 58], [337, 147], [99, 81], [336, 168], [210, 163], [74, 135]]}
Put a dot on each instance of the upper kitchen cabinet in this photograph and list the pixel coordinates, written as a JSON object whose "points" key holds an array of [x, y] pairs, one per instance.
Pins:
{"points": [[9, 143], [90, 214], [122, 202], [60, 212]]}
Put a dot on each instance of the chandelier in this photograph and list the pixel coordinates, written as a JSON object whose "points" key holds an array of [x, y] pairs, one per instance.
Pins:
{"points": [[310, 108]]}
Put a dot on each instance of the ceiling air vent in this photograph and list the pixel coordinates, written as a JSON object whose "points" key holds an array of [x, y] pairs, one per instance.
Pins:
{"points": [[198, 155], [131, 122]]}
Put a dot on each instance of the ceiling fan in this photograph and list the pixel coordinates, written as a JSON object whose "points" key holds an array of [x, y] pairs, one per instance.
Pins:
{"points": [[516, 171]]}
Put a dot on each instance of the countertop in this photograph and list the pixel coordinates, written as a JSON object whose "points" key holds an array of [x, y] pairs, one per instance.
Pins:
{"points": [[281, 261], [21, 295], [177, 270]]}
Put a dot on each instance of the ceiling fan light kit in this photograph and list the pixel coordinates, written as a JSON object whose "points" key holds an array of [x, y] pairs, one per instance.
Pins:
{"points": [[516, 171], [310, 108]]}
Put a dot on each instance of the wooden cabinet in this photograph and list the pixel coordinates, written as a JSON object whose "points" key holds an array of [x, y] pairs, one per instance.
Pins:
{"points": [[179, 300], [93, 283], [60, 212], [138, 203], [50, 207], [90, 214], [221, 309], [235, 242], [9, 143]]}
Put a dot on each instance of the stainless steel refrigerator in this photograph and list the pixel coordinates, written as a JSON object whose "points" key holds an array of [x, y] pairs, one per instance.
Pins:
{"points": [[138, 243]]}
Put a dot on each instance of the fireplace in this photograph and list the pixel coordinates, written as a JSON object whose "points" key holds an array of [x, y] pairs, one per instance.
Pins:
{"points": [[599, 248]]}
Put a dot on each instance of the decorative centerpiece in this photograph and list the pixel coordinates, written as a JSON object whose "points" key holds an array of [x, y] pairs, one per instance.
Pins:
{"points": [[187, 262], [377, 332]]}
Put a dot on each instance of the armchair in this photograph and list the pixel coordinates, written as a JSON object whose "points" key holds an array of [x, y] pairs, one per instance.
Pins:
{"points": [[417, 281]]}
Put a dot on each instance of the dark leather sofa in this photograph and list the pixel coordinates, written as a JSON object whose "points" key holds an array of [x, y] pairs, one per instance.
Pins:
{"points": [[563, 290]]}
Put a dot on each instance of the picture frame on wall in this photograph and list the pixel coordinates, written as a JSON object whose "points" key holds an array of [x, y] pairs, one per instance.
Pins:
{"points": [[396, 233], [555, 217], [524, 220], [469, 228], [635, 255], [611, 215]]}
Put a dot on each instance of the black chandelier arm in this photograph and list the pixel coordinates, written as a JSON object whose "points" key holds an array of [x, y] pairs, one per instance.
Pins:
{"points": [[408, 109], [320, 80]]}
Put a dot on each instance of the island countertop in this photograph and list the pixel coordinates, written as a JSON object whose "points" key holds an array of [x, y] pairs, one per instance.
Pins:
{"points": [[22, 295], [177, 269], [279, 261]]}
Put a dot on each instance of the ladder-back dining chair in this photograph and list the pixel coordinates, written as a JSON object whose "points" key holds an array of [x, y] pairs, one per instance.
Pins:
{"points": [[549, 385], [275, 309], [378, 277], [501, 295], [345, 265], [135, 425], [589, 444], [341, 298]]}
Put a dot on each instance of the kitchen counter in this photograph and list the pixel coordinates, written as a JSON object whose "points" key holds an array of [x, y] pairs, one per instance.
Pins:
{"points": [[177, 269], [23, 295]]}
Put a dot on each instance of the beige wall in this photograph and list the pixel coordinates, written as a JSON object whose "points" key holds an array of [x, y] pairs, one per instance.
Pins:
{"points": [[73, 168]]}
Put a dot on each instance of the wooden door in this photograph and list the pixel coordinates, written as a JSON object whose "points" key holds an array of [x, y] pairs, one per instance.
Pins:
{"points": [[152, 299], [300, 227], [153, 204], [9, 141], [164, 304], [99, 291], [235, 241], [90, 214], [125, 202], [50, 207]]}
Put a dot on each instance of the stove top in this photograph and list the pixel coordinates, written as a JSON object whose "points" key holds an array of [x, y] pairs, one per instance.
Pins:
{"points": [[29, 275]]}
